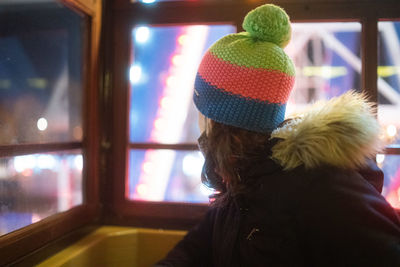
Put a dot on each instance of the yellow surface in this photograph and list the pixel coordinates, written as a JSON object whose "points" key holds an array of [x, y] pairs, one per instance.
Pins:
{"points": [[117, 246]]}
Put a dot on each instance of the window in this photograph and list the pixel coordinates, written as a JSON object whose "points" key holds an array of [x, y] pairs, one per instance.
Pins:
{"points": [[50, 144], [390, 164], [389, 79], [36, 186], [389, 106], [327, 57], [162, 74], [41, 94], [165, 60], [155, 161]]}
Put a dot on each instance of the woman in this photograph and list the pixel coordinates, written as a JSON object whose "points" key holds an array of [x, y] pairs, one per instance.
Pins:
{"points": [[300, 192]]}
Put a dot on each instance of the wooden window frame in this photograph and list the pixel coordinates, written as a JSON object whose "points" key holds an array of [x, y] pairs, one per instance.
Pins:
{"points": [[18, 244], [125, 15]]}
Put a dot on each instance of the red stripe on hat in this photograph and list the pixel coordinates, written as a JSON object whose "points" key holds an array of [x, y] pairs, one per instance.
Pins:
{"points": [[256, 83]]}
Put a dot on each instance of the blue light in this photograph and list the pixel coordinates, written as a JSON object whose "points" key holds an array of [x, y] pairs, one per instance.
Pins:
{"points": [[142, 34], [148, 1], [135, 73]]}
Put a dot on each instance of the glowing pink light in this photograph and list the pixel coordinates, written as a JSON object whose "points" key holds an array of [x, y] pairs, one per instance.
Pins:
{"points": [[147, 167], [393, 198], [398, 194], [177, 60], [160, 124], [182, 39], [35, 218], [170, 118], [27, 172], [142, 190], [166, 102], [172, 81], [155, 136]]}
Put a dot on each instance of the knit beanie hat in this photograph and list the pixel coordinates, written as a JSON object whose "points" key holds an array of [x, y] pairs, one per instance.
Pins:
{"points": [[245, 79]]}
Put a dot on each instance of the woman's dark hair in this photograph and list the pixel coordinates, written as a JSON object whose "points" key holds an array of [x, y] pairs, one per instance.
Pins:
{"points": [[231, 150]]}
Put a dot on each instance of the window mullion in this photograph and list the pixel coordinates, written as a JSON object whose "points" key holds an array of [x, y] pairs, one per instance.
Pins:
{"points": [[23, 149], [369, 57]]}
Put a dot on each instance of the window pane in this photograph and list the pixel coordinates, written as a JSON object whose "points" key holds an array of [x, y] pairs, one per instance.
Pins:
{"points": [[41, 58], [327, 60], [162, 77], [389, 79], [390, 165], [35, 186], [166, 175]]}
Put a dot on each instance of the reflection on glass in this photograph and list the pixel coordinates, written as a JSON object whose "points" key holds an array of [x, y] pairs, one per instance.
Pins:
{"points": [[327, 60], [389, 79], [41, 48], [162, 77], [390, 164], [35, 186], [166, 175]]}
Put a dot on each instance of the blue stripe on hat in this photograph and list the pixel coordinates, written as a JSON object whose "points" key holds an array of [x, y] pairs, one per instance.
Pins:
{"points": [[235, 110]]}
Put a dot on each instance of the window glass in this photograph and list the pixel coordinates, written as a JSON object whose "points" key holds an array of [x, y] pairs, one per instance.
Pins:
{"points": [[389, 79], [390, 164], [40, 73], [35, 186], [166, 175], [327, 59], [165, 60]]}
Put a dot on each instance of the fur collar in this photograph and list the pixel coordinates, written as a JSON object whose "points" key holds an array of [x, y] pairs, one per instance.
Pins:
{"points": [[342, 132]]}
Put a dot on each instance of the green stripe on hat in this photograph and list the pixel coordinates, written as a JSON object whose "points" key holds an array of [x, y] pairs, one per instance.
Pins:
{"points": [[259, 54]]}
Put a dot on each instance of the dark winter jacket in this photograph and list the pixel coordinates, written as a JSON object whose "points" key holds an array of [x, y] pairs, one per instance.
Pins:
{"points": [[303, 210]]}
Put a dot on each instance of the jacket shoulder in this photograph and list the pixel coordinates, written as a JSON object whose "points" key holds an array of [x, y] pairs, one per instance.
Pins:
{"points": [[342, 217]]}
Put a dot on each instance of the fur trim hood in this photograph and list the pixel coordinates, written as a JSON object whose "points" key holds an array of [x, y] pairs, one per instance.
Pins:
{"points": [[342, 132]]}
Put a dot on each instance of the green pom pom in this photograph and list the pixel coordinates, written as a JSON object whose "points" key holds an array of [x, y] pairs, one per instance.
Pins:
{"points": [[268, 23]]}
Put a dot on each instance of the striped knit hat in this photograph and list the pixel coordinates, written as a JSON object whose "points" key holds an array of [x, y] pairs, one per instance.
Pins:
{"points": [[245, 79]]}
